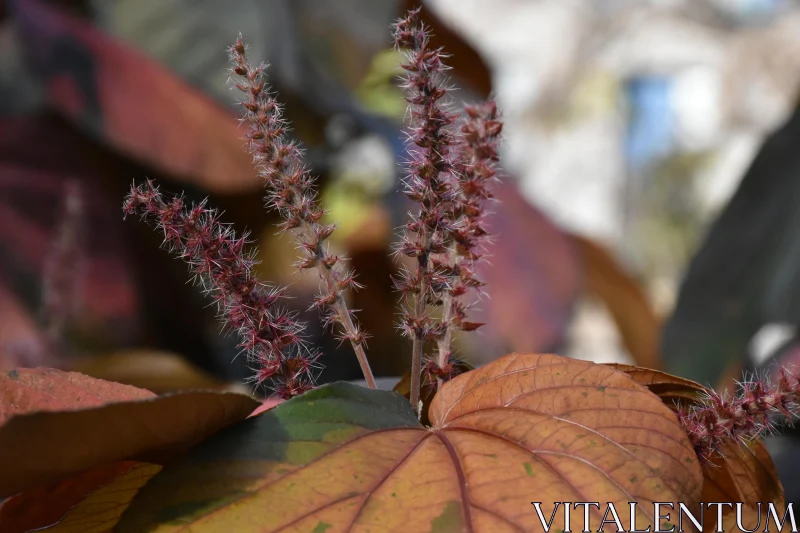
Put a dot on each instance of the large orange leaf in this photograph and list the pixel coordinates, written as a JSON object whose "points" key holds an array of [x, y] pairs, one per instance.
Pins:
{"points": [[71, 431], [343, 458], [740, 473]]}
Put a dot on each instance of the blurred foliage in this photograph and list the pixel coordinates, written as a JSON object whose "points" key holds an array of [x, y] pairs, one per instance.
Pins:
{"points": [[670, 218], [105, 112], [378, 91], [745, 273]]}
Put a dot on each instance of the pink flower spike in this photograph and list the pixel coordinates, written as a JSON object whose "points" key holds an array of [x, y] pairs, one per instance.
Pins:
{"points": [[748, 416], [290, 192], [269, 336], [429, 182], [448, 176]]}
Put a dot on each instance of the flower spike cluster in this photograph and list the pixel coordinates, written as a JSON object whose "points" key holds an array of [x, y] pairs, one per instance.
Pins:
{"points": [[429, 184], [476, 169], [721, 419], [269, 336], [447, 176], [290, 191]]}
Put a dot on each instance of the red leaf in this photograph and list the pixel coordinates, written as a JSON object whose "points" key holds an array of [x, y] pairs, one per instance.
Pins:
{"points": [[266, 405], [26, 390], [132, 103], [533, 275], [39, 448], [29, 223]]}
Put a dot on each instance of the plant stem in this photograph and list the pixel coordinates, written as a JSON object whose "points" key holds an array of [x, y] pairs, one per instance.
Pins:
{"points": [[361, 355], [418, 341], [446, 341], [61, 279], [416, 374], [345, 319], [334, 284], [429, 183]]}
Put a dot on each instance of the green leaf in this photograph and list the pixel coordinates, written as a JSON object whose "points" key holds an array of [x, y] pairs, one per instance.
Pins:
{"points": [[341, 429]]}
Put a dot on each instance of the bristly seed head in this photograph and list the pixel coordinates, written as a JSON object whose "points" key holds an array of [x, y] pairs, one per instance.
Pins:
{"points": [[429, 179], [290, 191], [721, 419], [269, 336], [448, 176]]}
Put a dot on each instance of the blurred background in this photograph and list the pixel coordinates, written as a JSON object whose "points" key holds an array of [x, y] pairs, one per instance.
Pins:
{"points": [[648, 213]]}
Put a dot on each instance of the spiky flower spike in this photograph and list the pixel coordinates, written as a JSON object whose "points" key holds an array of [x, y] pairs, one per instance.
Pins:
{"points": [[476, 169], [428, 183], [290, 191], [721, 420], [270, 337]]}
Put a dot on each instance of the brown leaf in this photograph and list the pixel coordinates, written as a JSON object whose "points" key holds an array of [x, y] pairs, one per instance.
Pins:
{"points": [[42, 447], [671, 389], [743, 473], [32, 390], [159, 372], [45, 506], [624, 299], [27, 390], [347, 458]]}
